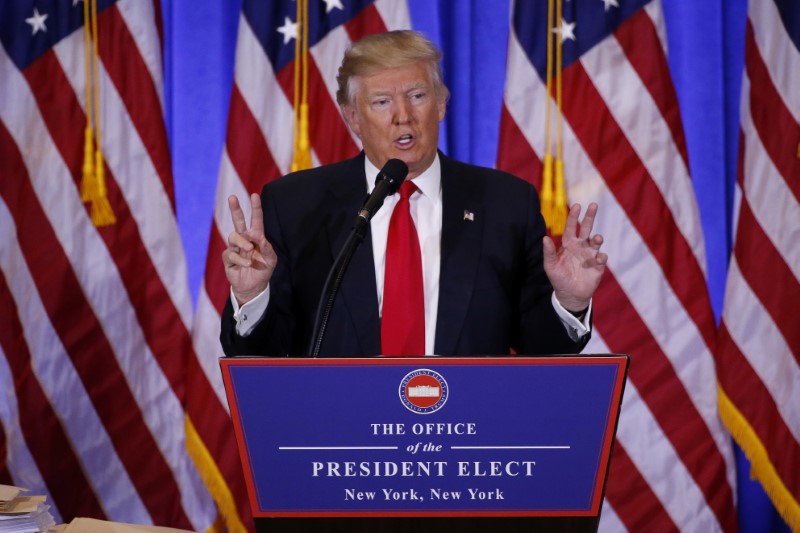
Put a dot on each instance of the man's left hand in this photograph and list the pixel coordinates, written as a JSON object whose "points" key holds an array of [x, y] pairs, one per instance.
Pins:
{"points": [[576, 268]]}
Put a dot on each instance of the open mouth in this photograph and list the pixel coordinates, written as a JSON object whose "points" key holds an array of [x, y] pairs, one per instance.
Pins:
{"points": [[405, 140]]}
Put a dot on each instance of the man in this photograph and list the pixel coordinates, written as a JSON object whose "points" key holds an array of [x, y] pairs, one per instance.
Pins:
{"points": [[492, 281]]}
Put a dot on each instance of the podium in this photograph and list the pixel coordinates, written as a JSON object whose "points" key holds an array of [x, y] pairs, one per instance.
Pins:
{"points": [[422, 443]]}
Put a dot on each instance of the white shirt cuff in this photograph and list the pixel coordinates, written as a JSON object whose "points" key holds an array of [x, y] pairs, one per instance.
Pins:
{"points": [[576, 328], [250, 314]]}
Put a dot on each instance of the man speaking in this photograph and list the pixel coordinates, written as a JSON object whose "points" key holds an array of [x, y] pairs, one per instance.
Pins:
{"points": [[456, 262]]}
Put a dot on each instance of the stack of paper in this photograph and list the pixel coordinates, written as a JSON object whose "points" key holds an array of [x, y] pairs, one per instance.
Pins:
{"points": [[23, 514]]}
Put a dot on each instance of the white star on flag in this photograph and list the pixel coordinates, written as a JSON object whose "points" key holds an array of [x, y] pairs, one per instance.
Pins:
{"points": [[567, 30], [610, 3], [289, 30], [331, 4], [37, 21]]}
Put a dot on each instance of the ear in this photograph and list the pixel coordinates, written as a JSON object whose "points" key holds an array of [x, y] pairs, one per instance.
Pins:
{"points": [[351, 118], [441, 104]]}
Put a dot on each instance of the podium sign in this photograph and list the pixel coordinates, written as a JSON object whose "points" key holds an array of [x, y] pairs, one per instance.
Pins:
{"points": [[510, 436]]}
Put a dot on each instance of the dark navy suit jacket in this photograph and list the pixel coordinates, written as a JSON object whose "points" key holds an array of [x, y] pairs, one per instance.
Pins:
{"points": [[494, 295]]}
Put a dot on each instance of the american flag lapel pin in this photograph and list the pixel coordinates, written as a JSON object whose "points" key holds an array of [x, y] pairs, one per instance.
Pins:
{"points": [[469, 215]]}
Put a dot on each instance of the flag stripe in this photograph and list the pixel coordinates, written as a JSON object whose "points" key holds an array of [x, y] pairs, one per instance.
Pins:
{"points": [[663, 392], [515, 154], [765, 271], [90, 351], [138, 91], [758, 405], [367, 22], [638, 37], [778, 130], [640, 198], [70, 489]]}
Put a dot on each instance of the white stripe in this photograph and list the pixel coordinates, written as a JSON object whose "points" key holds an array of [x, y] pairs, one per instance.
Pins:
{"points": [[638, 116], [264, 97], [394, 14], [64, 388], [609, 520], [774, 205], [640, 434], [656, 14], [778, 52], [140, 17], [134, 173], [19, 461], [100, 281], [637, 271], [207, 345], [762, 344], [328, 54]]}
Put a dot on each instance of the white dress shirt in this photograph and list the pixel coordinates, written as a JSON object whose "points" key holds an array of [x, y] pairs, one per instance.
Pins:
{"points": [[426, 211]]}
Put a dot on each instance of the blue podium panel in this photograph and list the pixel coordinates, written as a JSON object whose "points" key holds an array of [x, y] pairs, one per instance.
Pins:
{"points": [[511, 436]]}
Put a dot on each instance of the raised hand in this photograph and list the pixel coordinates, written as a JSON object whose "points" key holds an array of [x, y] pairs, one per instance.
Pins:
{"points": [[249, 259], [576, 268]]}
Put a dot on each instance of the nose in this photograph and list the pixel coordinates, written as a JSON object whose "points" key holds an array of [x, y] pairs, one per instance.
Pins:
{"points": [[402, 111]]}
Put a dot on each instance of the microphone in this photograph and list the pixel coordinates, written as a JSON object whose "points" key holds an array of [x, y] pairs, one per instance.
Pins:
{"points": [[389, 178]]}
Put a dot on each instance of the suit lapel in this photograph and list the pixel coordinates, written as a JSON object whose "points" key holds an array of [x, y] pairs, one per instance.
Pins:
{"points": [[358, 292], [462, 230]]}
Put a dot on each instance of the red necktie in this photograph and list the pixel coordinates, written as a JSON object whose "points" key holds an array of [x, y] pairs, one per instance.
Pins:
{"points": [[403, 319]]}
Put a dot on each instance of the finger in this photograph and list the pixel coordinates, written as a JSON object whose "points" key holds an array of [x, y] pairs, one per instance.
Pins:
{"points": [[549, 250], [240, 241], [257, 214], [230, 259], [588, 221], [596, 241], [572, 220], [237, 215], [602, 259]]}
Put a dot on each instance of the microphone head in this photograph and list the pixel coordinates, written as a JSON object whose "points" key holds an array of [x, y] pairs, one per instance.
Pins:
{"points": [[394, 172]]}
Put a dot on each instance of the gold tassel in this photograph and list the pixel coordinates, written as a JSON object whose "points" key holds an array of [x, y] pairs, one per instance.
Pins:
{"points": [[301, 159], [547, 190], [93, 184], [558, 214]]}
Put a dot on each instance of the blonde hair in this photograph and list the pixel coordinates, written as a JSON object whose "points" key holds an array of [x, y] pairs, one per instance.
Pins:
{"points": [[382, 51]]}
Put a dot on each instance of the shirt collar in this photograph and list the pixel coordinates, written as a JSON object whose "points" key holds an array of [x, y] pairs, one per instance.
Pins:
{"points": [[429, 182]]}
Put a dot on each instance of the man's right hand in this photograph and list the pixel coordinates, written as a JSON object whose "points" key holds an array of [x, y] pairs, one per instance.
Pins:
{"points": [[249, 259]]}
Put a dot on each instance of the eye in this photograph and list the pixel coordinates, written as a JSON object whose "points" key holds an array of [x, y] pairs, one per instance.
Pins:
{"points": [[380, 102], [417, 96]]}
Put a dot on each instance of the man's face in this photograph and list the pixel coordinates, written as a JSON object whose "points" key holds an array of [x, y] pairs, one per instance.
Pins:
{"points": [[396, 114]]}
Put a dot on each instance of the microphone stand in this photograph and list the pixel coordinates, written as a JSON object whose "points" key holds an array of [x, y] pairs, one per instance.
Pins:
{"points": [[334, 281]]}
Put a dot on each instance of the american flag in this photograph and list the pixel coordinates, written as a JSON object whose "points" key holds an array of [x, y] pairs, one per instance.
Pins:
{"points": [[259, 148], [759, 341], [95, 330], [672, 468]]}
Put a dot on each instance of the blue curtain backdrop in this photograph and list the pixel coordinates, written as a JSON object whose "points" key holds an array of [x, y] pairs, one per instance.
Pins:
{"points": [[706, 54]]}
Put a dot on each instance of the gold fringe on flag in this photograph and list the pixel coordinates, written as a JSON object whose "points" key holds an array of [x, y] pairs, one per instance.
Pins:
{"points": [[93, 184], [553, 190], [302, 145]]}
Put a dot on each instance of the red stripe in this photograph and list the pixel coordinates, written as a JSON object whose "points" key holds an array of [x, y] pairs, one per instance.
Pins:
{"points": [[655, 378], [216, 283], [367, 22], [776, 127], [766, 271], [45, 438], [137, 90], [634, 502], [638, 37], [247, 148], [327, 130], [757, 404], [215, 429], [514, 154], [72, 316], [637, 194]]}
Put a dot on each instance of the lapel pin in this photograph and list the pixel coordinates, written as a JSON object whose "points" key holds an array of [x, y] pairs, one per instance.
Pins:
{"points": [[469, 215]]}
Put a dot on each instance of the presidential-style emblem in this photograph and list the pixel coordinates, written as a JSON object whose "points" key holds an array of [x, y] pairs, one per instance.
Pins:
{"points": [[423, 391]]}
